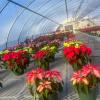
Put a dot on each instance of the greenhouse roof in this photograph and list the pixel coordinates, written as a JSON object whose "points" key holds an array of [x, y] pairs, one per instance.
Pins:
{"points": [[20, 19]]}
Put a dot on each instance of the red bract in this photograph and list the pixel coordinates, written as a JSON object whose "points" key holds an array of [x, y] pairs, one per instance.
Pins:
{"points": [[25, 60], [6, 57], [15, 55], [68, 50], [77, 50], [40, 54], [19, 62], [70, 55], [89, 51]]}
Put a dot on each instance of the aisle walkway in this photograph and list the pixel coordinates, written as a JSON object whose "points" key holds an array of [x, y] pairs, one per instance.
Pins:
{"points": [[15, 87]]}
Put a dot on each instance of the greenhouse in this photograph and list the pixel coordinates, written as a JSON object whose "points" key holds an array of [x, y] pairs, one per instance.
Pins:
{"points": [[49, 49]]}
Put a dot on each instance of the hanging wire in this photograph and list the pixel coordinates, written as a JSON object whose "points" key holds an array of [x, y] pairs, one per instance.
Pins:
{"points": [[78, 9]]}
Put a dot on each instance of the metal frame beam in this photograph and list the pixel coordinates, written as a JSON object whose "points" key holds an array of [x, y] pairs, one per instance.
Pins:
{"points": [[15, 22], [32, 11], [78, 9], [66, 5], [4, 7]]}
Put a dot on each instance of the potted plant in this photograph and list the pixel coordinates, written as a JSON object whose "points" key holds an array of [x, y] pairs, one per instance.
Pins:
{"points": [[44, 84], [16, 61], [41, 59], [85, 81], [76, 53], [52, 49], [28, 49]]}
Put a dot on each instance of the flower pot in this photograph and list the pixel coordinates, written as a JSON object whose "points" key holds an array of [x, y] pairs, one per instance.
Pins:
{"points": [[18, 71], [42, 64], [91, 95], [52, 58], [78, 65], [50, 97]]}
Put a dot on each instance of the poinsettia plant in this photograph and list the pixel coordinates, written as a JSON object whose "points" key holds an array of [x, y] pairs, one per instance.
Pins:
{"points": [[40, 59], [76, 53], [44, 83], [3, 53], [55, 42], [52, 50], [29, 50], [86, 79], [16, 61]]}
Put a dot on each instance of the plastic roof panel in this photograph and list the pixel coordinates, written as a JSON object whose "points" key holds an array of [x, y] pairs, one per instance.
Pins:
{"points": [[20, 19]]}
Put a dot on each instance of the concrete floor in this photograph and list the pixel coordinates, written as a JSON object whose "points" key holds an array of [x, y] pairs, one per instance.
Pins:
{"points": [[15, 87]]}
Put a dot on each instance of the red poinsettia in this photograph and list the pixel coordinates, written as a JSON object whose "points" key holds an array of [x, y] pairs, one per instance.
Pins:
{"points": [[40, 54], [6, 57], [74, 53], [15, 58], [85, 49]]}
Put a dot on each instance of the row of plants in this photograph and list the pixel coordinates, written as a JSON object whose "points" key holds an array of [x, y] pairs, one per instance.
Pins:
{"points": [[94, 31], [17, 59], [43, 83], [90, 29], [86, 76]]}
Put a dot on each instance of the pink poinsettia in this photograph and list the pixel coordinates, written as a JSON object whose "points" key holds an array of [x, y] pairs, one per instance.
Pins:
{"points": [[35, 74], [86, 75], [95, 70], [53, 74], [44, 80]]}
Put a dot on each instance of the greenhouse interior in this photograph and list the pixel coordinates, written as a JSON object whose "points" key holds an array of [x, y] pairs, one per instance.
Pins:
{"points": [[49, 49]]}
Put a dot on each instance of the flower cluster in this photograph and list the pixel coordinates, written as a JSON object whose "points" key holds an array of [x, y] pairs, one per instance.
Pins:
{"points": [[75, 43], [15, 58], [3, 53], [72, 51], [76, 52], [28, 49], [52, 49], [40, 54], [88, 75], [44, 81]]}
